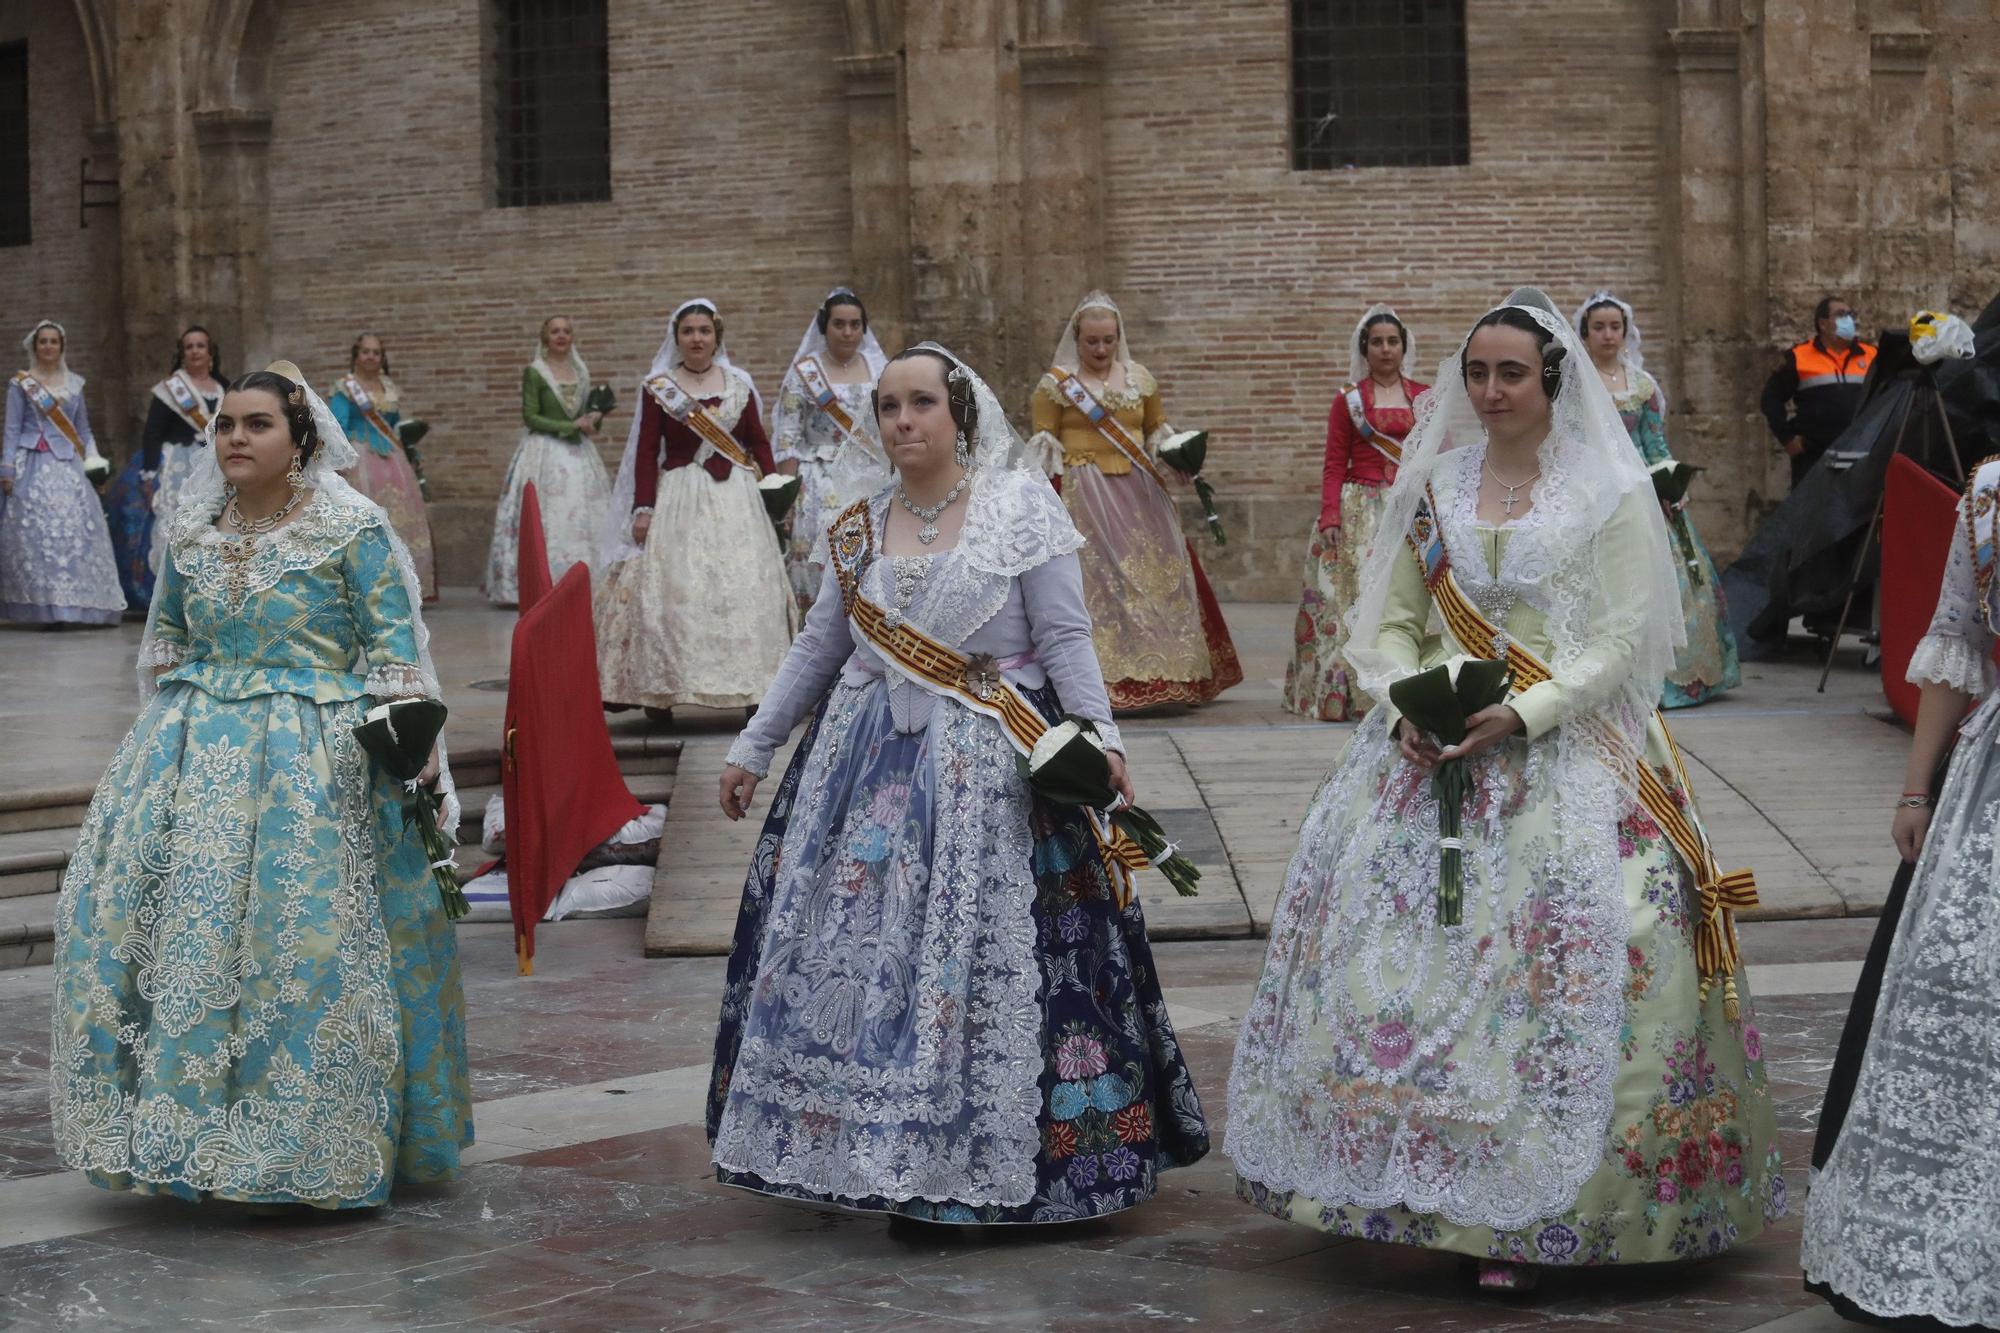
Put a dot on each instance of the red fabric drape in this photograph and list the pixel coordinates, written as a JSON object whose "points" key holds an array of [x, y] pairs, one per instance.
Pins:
{"points": [[534, 550], [1918, 517], [563, 790]]}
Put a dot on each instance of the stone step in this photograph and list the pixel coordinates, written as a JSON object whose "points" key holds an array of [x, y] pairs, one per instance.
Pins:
{"points": [[31, 808], [646, 788], [27, 930], [32, 860]]}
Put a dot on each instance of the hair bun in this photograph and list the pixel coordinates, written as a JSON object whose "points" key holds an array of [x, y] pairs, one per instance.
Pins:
{"points": [[1553, 356]]}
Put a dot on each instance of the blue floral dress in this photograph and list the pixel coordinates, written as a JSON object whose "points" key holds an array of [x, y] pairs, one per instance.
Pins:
{"points": [[1707, 664], [257, 992], [934, 1007]]}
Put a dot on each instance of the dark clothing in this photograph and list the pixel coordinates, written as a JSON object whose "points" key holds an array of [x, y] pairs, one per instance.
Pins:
{"points": [[666, 444], [165, 426], [1823, 391]]}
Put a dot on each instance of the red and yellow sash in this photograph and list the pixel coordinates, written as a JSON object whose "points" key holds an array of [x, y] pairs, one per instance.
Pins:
{"points": [[813, 376], [50, 407], [1106, 424], [1721, 896], [971, 681], [177, 391], [1357, 412], [370, 413], [685, 408]]}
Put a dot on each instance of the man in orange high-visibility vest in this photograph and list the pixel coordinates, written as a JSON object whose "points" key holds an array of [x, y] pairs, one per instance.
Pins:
{"points": [[1814, 393]]}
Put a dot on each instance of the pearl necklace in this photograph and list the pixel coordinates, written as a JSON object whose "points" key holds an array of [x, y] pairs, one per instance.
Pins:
{"points": [[259, 526], [928, 514]]}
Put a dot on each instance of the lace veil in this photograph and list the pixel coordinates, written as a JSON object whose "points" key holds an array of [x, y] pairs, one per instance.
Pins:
{"points": [[1590, 471], [70, 382], [202, 499], [1633, 352], [814, 344], [615, 538], [1357, 360], [542, 366]]}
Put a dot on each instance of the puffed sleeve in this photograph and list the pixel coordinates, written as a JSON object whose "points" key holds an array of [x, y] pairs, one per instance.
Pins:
{"points": [[169, 643], [15, 438], [1605, 665], [791, 417], [80, 418], [1153, 412], [1958, 649], [1340, 442], [810, 665], [152, 441], [380, 601], [1059, 626], [1652, 434], [1406, 613], [563, 428]]}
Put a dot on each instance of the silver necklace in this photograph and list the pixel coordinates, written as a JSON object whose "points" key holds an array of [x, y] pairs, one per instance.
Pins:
{"points": [[1511, 500], [928, 514], [259, 526]]}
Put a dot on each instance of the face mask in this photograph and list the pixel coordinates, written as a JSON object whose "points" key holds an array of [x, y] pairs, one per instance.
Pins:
{"points": [[1844, 326]]}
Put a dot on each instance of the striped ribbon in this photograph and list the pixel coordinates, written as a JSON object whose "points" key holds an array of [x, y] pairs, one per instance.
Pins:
{"points": [[1107, 424], [683, 407]]}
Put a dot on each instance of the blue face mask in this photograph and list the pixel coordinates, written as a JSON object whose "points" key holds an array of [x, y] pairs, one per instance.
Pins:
{"points": [[1844, 326]]}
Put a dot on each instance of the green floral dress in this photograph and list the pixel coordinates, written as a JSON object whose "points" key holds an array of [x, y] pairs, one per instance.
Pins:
{"points": [[257, 992], [1546, 1082]]}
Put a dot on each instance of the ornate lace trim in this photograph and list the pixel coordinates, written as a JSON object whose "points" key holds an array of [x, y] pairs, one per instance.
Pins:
{"points": [[749, 756], [161, 652], [324, 527], [399, 680], [1015, 523], [1950, 659]]}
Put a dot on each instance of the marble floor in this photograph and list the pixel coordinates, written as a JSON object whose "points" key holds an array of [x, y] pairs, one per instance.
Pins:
{"points": [[588, 1202]]}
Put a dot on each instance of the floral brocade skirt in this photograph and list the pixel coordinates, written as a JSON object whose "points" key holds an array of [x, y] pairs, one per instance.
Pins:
{"points": [[1707, 663], [56, 562], [390, 481], [1319, 684], [571, 491], [702, 614], [257, 992], [1155, 622], [128, 511], [1546, 1082], [934, 1007]]}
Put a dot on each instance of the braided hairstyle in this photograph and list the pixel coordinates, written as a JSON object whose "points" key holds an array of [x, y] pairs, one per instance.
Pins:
{"points": [[291, 398]]}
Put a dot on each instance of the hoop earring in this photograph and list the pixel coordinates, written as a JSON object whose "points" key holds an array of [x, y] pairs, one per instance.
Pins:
{"points": [[962, 451], [295, 476]]}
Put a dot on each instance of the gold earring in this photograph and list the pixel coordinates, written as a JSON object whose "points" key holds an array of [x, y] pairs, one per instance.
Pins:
{"points": [[296, 475]]}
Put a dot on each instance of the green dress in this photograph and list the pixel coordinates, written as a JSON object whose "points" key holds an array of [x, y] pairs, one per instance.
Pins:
{"points": [[1543, 1083], [257, 992]]}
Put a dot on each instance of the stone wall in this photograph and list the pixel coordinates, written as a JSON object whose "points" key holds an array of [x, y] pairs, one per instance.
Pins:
{"points": [[292, 173]]}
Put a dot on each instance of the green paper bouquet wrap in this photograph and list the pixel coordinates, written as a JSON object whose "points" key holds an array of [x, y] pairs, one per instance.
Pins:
{"points": [[780, 493], [410, 434], [1069, 767], [1185, 452], [97, 470], [1438, 702], [599, 399], [400, 735], [1671, 479]]}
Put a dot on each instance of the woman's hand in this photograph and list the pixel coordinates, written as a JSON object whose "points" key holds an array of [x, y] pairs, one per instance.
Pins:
{"points": [[1912, 823], [6, 485], [1121, 780], [1484, 730], [641, 525], [738, 786], [1331, 527], [587, 425], [1417, 748], [429, 776]]}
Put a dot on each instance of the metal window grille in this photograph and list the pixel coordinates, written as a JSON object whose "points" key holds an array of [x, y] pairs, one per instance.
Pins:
{"points": [[14, 193], [551, 102], [1378, 83]]}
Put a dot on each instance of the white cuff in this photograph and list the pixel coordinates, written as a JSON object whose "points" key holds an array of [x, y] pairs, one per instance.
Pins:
{"points": [[1953, 660], [749, 756], [398, 680], [162, 652]]}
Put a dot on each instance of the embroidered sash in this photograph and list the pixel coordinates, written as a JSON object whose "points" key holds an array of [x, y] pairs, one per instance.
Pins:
{"points": [[50, 407], [1107, 425], [1982, 523], [1721, 896], [369, 411], [685, 408], [813, 376], [177, 391], [1390, 449], [974, 682]]}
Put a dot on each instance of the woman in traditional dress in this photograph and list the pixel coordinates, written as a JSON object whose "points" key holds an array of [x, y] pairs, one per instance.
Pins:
{"points": [[56, 561], [824, 430], [1364, 438], [1708, 664], [368, 406], [558, 453], [693, 607], [1098, 421], [1568, 1075], [140, 502], [257, 993], [935, 1006], [1903, 1218]]}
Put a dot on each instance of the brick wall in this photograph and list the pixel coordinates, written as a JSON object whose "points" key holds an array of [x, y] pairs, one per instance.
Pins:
{"points": [[730, 181], [50, 278]]}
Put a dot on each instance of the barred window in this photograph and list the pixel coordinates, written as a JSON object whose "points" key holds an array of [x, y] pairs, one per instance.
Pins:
{"points": [[14, 193], [551, 101], [1378, 83]]}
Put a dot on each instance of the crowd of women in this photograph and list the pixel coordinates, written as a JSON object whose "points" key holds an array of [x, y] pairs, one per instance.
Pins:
{"points": [[941, 1003]]}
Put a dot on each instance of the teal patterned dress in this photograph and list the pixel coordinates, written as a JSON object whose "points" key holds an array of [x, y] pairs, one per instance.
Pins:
{"points": [[257, 991], [1707, 665]]}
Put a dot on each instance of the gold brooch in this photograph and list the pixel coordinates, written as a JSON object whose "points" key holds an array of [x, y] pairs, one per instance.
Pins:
{"points": [[981, 677]]}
